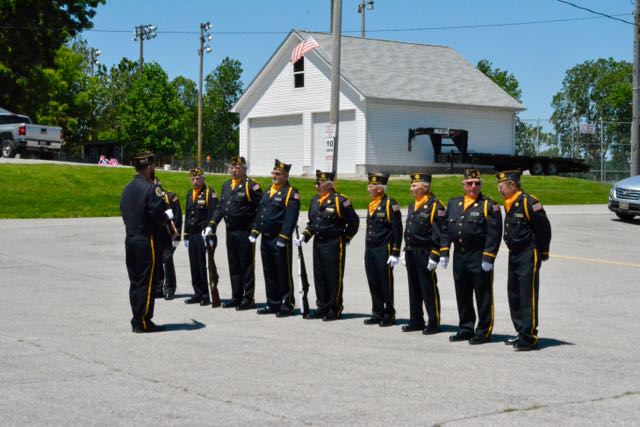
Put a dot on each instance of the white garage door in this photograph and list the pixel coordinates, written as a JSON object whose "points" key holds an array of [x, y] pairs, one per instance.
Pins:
{"points": [[275, 137], [346, 142]]}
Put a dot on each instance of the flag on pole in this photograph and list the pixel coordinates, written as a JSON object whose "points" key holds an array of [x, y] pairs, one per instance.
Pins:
{"points": [[302, 48]]}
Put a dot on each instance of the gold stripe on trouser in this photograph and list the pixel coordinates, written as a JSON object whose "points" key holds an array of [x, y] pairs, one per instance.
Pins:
{"points": [[488, 334], [435, 294], [253, 268], [153, 264], [339, 293], [533, 294], [389, 270], [290, 279]]}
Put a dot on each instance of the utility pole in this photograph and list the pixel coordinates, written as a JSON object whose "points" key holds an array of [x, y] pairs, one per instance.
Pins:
{"points": [[635, 131], [362, 7], [538, 137], [334, 115], [331, 18], [93, 58], [204, 37], [142, 33]]}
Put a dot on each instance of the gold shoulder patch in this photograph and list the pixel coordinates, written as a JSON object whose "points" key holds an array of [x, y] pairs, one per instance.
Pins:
{"points": [[158, 192]]}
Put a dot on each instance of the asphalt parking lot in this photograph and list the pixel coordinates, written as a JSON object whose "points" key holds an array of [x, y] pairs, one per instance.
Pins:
{"points": [[69, 357]]}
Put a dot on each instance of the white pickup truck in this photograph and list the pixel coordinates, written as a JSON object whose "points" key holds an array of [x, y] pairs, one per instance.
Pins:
{"points": [[19, 136]]}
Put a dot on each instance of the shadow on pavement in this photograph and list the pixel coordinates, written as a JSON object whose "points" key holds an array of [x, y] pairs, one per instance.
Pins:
{"points": [[354, 315], [194, 325], [551, 342]]}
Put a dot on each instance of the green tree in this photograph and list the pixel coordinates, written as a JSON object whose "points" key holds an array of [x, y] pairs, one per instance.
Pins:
{"points": [[188, 95], [502, 78], [110, 92], [592, 91], [219, 124], [32, 32]]}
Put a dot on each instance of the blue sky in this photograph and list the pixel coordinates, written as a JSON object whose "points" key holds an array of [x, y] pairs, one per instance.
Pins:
{"points": [[537, 54]]}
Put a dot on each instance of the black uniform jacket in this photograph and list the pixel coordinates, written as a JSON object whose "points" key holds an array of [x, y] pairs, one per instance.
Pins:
{"points": [[198, 213], [238, 206], [278, 215], [385, 225], [479, 227], [142, 207], [426, 226], [334, 218], [526, 226]]}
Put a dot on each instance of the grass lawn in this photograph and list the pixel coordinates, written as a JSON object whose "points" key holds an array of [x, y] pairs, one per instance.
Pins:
{"points": [[63, 191]]}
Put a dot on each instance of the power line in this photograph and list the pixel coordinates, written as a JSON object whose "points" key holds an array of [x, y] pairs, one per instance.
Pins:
{"points": [[595, 12]]}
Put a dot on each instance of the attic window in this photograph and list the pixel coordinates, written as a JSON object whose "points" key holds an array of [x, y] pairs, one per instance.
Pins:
{"points": [[298, 73]]}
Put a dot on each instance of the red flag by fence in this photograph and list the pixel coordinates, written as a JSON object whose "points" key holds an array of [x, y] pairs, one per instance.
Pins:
{"points": [[302, 48]]}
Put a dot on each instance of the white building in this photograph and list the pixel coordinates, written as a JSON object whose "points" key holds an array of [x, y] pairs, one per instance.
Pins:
{"points": [[386, 88]]}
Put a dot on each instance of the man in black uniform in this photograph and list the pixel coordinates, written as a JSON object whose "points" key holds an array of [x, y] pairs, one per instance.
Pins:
{"points": [[422, 244], [276, 219], [382, 249], [200, 204], [527, 233], [168, 241], [239, 200], [333, 222], [144, 212], [475, 225]]}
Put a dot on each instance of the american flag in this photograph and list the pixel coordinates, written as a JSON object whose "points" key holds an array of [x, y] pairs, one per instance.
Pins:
{"points": [[302, 48]]}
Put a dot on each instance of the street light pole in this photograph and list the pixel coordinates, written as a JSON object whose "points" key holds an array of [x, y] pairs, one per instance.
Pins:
{"points": [[93, 58], [204, 36], [362, 7], [141, 33], [635, 125], [334, 114]]}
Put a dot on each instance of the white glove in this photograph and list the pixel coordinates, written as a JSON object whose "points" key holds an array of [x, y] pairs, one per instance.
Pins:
{"points": [[186, 243], [432, 265], [280, 244], [403, 259], [175, 243], [169, 214], [487, 266], [444, 262], [393, 261], [252, 239], [207, 231], [300, 241]]}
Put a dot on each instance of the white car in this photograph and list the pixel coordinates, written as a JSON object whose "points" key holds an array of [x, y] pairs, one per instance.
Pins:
{"points": [[624, 198]]}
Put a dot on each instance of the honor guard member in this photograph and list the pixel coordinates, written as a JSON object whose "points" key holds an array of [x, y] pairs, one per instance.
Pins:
{"points": [[382, 249], [200, 204], [276, 219], [238, 204], [475, 225], [144, 211], [527, 233], [332, 224], [423, 233], [168, 240]]}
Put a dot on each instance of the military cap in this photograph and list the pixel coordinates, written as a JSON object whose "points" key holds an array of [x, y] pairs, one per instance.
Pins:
{"points": [[420, 177], [378, 178], [142, 159], [238, 161], [281, 166], [324, 176], [471, 174], [196, 172], [511, 175]]}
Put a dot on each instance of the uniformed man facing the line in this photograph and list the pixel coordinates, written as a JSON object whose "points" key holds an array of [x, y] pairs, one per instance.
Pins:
{"points": [[144, 211], [200, 204], [423, 234], [475, 225], [238, 204], [276, 219], [168, 241], [527, 233], [332, 224], [382, 249]]}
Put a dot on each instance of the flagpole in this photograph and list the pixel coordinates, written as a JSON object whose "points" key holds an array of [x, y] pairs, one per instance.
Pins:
{"points": [[335, 80]]}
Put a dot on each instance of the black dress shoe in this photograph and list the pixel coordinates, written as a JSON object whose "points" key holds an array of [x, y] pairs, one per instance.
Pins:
{"points": [[284, 313], [522, 345], [316, 314], [411, 328], [266, 310], [205, 301], [387, 321], [193, 300], [230, 304], [461, 336], [478, 339], [169, 296], [431, 330], [511, 341], [330, 317], [372, 321], [246, 305], [151, 327]]}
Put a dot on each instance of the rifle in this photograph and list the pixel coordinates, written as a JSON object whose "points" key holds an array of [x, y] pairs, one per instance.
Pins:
{"points": [[303, 281], [213, 272]]}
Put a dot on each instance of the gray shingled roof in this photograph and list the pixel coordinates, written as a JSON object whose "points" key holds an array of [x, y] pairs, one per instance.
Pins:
{"points": [[412, 72]]}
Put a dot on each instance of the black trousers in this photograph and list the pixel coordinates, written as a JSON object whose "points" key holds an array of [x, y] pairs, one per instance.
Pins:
{"points": [[278, 279], [423, 288], [241, 254], [380, 278], [470, 279], [164, 270], [522, 289], [328, 272], [198, 262], [140, 259]]}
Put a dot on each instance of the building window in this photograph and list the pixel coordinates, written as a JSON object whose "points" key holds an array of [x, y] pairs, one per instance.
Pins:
{"points": [[298, 73]]}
